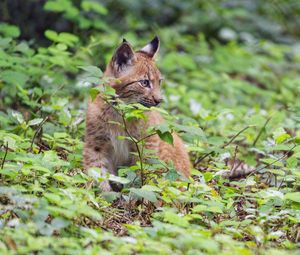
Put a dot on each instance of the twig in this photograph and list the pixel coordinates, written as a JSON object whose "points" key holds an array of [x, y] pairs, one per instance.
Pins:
{"points": [[279, 187], [222, 147], [273, 162], [203, 157], [6, 151], [134, 140], [234, 156], [51, 95], [261, 131], [37, 131], [233, 167], [137, 148], [235, 136], [145, 137]]}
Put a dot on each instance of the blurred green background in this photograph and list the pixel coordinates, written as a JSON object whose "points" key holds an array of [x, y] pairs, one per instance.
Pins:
{"points": [[231, 73], [275, 20]]}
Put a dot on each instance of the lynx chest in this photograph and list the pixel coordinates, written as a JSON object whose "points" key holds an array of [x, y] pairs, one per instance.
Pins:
{"points": [[121, 148]]}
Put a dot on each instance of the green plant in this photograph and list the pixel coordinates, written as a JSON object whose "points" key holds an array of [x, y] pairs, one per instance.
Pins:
{"points": [[236, 105]]}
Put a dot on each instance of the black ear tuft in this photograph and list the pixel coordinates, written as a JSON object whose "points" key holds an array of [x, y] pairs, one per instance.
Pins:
{"points": [[123, 56], [152, 47], [124, 40], [155, 43]]}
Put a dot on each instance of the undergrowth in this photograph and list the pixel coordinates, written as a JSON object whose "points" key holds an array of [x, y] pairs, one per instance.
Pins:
{"points": [[236, 106]]}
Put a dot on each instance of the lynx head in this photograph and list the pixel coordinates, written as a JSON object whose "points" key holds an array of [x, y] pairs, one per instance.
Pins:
{"points": [[139, 78]]}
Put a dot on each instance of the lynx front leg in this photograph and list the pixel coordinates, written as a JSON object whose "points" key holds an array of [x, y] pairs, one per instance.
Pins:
{"points": [[97, 155]]}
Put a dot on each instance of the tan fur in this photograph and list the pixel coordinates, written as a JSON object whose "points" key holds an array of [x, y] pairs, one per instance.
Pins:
{"points": [[102, 148]]}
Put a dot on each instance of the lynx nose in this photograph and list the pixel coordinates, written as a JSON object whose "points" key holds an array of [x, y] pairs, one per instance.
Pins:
{"points": [[157, 101]]}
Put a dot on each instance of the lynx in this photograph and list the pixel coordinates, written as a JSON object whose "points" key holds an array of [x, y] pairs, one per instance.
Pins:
{"points": [[139, 81]]}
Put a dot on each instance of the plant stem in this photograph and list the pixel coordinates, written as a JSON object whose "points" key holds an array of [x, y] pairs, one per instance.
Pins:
{"points": [[6, 151], [136, 143], [235, 136], [36, 132], [273, 162], [222, 147], [261, 131]]}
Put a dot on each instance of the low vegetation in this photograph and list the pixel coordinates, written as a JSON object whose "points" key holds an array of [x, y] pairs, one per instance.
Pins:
{"points": [[234, 102]]}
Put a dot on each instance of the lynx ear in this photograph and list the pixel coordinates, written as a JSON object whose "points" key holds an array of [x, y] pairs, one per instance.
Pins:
{"points": [[124, 56], [151, 48]]}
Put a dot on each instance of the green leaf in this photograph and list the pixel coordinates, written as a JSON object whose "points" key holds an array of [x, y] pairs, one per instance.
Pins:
{"points": [[205, 208], [292, 162], [281, 138], [93, 6], [110, 196], [59, 223], [174, 218], [109, 91], [151, 188], [94, 172], [53, 198], [94, 92], [55, 5], [62, 178], [146, 194], [166, 136], [92, 70], [280, 135], [164, 127], [35, 122], [64, 38], [10, 142], [293, 196], [9, 30], [272, 162], [191, 130], [14, 77], [52, 35], [18, 116], [276, 171], [68, 38], [118, 179], [172, 175]]}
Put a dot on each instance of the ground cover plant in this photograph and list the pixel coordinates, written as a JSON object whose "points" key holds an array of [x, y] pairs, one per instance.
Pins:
{"points": [[231, 91]]}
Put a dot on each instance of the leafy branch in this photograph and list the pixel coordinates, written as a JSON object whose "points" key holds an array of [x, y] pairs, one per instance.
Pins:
{"points": [[4, 158], [223, 146]]}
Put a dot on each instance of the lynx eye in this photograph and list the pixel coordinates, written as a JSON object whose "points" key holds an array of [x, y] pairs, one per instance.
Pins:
{"points": [[145, 83]]}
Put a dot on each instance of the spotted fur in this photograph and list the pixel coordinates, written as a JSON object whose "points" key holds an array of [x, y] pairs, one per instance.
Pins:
{"points": [[102, 148]]}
